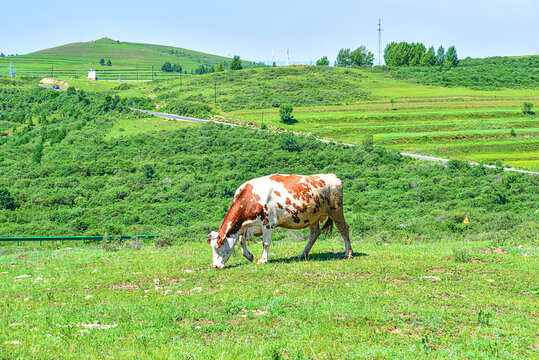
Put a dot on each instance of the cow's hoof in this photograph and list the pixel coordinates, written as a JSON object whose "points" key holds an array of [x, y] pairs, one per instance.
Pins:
{"points": [[261, 261], [251, 258]]}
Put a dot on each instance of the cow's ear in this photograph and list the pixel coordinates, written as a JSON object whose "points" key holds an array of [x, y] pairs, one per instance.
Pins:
{"points": [[209, 240], [220, 242]]}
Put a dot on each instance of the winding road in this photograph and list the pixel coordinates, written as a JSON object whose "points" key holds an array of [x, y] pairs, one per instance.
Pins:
{"points": [[415, 156]]}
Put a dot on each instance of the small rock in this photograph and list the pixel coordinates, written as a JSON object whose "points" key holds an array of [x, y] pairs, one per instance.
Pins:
{"points": [[520, 246], [526, 255], [22, 276], [26, 299], [39, 278], [94, 271], [168, 292], [430, 278], [198, 328], [156, 281], [179, 292], [489, 280], [13, 342], [347, 284], [196, 289], [88, 297], [189, 271]]}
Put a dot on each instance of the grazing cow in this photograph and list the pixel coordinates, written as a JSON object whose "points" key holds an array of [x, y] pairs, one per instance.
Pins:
{"points": [[289, 201]]}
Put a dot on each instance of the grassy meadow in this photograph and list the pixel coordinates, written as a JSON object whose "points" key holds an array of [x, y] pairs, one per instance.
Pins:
{"points": [[139, 301]]}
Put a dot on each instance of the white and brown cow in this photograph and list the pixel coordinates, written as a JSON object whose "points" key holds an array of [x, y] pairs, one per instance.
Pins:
{"points": [[289, 201]]}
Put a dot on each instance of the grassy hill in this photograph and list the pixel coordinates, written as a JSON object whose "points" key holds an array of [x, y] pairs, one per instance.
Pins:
{"points": [[75, 59], [346, 104]]}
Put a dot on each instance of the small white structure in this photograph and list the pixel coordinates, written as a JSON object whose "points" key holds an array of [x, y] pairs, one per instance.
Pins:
{"points": [[92, 75]]}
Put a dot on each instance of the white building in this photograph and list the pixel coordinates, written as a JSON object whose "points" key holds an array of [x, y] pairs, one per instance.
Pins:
{"points": [[92, 75]]}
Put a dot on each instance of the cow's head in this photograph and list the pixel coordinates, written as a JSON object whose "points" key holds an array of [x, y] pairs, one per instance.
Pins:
{"points": [[222, 249]]}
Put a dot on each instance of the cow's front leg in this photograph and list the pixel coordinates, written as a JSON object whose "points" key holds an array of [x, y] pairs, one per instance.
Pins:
{"points": [[267, 234], [244, 249]]}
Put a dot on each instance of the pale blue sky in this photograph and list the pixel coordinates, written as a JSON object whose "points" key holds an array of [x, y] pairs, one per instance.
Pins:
{"points": [[310, 29]]}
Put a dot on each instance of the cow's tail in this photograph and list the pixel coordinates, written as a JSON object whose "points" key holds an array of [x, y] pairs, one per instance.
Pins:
{"points": [[328, 226]]}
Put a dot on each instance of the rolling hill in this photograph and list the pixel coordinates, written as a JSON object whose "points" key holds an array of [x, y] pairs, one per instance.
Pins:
{"points": [[73, 60]]}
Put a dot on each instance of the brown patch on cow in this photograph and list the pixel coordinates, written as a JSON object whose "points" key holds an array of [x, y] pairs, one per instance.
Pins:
{"points": [[245, 206], [277, 193], [288, 201], [300, 190], [266, 208], [280, 206], [265, 246]]}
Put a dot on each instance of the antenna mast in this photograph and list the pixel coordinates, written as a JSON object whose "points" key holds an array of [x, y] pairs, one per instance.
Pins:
{"points": [[379, 41]]}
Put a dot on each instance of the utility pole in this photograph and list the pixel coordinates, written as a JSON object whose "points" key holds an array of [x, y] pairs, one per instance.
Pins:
{"points": [[52, 71], [215, 92], [152, 72], [137, 72], [419, 195], [379, 41]]}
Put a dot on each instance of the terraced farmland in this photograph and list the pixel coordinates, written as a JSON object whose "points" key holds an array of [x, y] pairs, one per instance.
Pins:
{"points": [[468, 128]]}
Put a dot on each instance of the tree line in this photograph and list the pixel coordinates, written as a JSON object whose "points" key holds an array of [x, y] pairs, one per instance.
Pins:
{"points": [[414, 54]]}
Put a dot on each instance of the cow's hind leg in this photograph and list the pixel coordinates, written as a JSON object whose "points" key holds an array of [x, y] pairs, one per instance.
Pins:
{"points": [[315, 232], [340, 222], [267, 234], [244, 249]]}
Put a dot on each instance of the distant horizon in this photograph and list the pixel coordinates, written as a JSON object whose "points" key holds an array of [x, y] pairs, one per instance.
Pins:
{"points": [[278, 62], [252, 30]]}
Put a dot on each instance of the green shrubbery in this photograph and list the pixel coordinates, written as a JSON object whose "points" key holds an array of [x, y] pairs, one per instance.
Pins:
{"points": [[84, 184]]}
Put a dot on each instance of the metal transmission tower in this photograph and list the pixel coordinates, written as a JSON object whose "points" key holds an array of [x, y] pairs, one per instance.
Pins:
{"points": [[287, 57], [379, 41]]}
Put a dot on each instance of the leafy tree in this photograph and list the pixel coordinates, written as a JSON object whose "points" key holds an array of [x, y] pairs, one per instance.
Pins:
{"points": [[102, 62], [289, 142], [204, 69], [344, 59], [273, 65], [71, 90], [2, 55], [166, 67], [440, 55], [527, 107], [109, 63], [149, 172], [430, 58], [451, 58], [220, 68], [235, 64], [417, 53], [6, 200], [368, 142], [176, 68], [398, 54], [362, 57], [38, 153], [322, 61], [285, 111]]}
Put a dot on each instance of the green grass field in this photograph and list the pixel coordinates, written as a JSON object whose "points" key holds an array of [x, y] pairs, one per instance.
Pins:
{"points": [[170, 303]]}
